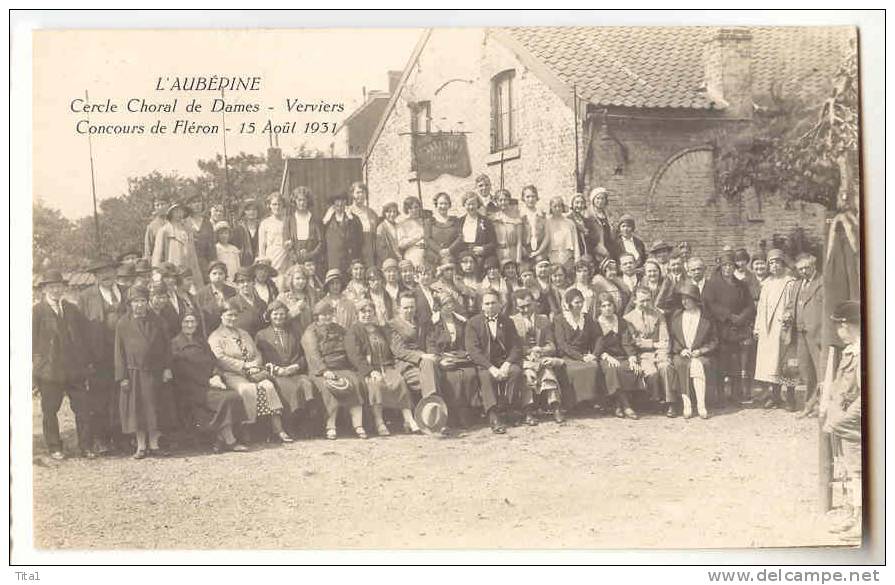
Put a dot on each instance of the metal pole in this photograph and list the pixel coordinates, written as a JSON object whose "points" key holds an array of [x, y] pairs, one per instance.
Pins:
{"points": [[99, 244], [226, 164], [577, 163]]}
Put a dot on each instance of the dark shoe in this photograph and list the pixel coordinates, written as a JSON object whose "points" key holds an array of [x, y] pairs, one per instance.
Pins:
{"points": [[669, 412], [530, 419], [57, 455], [558, 416], [496, 426], [140, 454]]}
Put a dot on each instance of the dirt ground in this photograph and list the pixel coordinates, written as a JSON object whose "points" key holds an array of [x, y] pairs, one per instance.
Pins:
{"points": [[743, 478]]}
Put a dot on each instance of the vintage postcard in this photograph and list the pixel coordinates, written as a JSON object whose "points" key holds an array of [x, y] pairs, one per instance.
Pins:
{"points": [[592, 287]]}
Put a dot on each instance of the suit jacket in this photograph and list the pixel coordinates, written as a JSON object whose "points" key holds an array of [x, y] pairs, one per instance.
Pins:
{"points": [[438, 338], [407, 340], [360, 351], [141, 344], [638, 244], [101, 320], [809, 309], [538, 332], [485, 236], [706, 339], [59, 349], [424, 311], [482, 348]]}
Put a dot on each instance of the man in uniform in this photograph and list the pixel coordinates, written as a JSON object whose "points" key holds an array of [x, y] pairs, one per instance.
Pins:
{"points": [[60, 363]]}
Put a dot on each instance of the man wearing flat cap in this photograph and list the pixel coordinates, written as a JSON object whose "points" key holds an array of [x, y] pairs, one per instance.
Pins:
{"points": [[840, 409], [60, 363]]}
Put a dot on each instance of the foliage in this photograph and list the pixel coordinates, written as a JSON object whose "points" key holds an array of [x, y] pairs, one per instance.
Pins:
{"points": [[796, 151]]}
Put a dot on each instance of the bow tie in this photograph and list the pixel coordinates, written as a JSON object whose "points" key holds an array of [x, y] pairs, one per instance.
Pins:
{"points": [[491, 319]]}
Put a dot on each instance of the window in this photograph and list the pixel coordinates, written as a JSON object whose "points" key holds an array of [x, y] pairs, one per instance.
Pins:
{"points": [[503, 133], [421, 117]]}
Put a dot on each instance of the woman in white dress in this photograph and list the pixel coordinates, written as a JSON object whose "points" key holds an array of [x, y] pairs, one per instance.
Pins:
{"points": [[411, 233], [175, 243], [270, 237], [773, 324], [562, 234]]}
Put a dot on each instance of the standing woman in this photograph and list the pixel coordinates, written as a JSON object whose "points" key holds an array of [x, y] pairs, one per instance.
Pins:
{"points": [[507, 229], [174, 243], [367, 346], [615, 362], [343, 235], [773, 324], [299, 299], [576, 340], [282, 356], [271, 244], [476, 231], [562, 235], [585, 226], [302, 233], [142, 366], [243, 370], [369, 221], [387, 234], [534, 225], [412, 233], [627, 242], [693, 338], [331, 372], [214, 408], [443, 230], [245, 232], [599, 200]]}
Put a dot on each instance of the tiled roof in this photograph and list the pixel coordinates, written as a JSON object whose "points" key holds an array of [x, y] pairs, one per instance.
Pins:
{"points": [[662, 67]]}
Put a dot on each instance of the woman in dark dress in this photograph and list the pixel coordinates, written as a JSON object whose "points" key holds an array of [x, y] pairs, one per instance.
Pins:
{"points": [[370, 354], [442, 230], [214, 408], [299, 298], [586, 227], [614, 360], [476, 231], [576, 339], [282, 356], [457, 380], [302, 233], [324, 345]]}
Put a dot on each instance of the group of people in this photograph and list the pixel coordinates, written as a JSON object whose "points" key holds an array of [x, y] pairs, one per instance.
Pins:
{"points": [[504, 311]]}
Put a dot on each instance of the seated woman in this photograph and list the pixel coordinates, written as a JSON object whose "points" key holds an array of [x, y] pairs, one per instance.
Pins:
{"points": [[457, 379], [693, 339], [371, 356], [576, 339], [283, 359], [330, 370], [215, 409], [299, 298], [617, 366], [243, 371]]}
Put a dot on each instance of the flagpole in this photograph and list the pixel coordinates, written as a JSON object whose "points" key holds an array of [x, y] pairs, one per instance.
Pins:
{"points": [[226, 164], [93, 182]]}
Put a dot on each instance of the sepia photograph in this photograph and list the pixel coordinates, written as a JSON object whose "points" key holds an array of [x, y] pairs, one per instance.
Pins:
{"points": [[569, 287]]}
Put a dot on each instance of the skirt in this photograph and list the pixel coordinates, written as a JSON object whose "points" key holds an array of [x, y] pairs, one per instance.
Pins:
{"points": [[140, 406], [581, 382], [620, 378], [220, 409], [351, 397], [389, 392], [295, 391], [260, 399]]}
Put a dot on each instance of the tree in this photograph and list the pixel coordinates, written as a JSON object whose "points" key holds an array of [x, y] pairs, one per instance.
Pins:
{"points": [[55, 240], [797, 151]]}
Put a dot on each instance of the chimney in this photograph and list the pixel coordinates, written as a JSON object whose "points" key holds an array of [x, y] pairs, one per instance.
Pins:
{"points": [[728, 71], [393, 78]]}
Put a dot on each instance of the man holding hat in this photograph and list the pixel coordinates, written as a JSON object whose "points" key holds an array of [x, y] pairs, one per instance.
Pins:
{"points": [[60, 363], [343, 235], [841, 410], [103, 305], [627, 243]]}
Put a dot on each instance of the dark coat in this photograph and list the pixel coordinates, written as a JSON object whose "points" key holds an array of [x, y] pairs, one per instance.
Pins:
{"points": [[541, 334], [423, 310], [208, 305], [312, 246], [730, 305], [574, 344], [273, 353], [59, 346], [101, 320], [247, 243], [809, 316], [360, 351], [485, 353], [706, 341], [204, 243], [612, 342], [485, 236], [343, 241], [619, 248], [141, 344], [438, 338]]}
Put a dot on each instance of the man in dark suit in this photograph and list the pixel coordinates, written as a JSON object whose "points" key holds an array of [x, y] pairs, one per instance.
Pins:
{"points": [[494, 347], [60, 363], [808, 319], [408, 342], [103, 305]]}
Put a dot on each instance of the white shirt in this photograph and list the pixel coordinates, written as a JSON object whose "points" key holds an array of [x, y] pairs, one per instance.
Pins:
{"points": [[302, 226], [110, 295], [492, 325], [699, 284], [577, 324], [469, 230], [630, 280], [630, 248], [689, 323], [263, 292], [532, 217]]}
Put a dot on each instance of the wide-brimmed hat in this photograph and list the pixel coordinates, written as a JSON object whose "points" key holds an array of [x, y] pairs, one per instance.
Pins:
{"points": [[431, 414], [244, 273], [688, 289], [124, 255], [187, 211], [339, 387], [101, 263], [126, 270], [331, 275], [51, 276], [727, 258], [142, 266], [658, 246], [405, 264], [847, 312], [265, 264]]}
